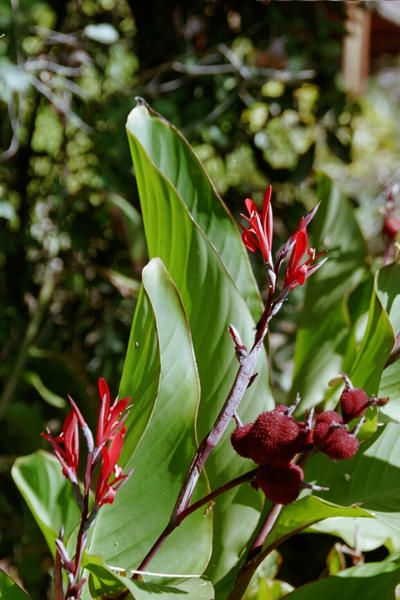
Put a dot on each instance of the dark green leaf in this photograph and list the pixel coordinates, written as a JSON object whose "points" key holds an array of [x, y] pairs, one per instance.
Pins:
{"points": [[370, 581]]}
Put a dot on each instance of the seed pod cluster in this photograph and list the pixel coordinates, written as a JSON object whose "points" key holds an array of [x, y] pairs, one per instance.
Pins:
{"points": [[275, 438]]}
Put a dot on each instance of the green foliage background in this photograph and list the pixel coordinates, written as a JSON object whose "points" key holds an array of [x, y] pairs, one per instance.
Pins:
{"points": [[255, 89]]}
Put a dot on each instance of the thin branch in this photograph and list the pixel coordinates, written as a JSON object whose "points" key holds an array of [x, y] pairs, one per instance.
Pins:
{"points": [[49, 65], [60, 105], [56, 37], [239, 66]]}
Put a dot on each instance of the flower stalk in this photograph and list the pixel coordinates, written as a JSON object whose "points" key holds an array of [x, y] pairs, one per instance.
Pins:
{"points": [[258, 236], [107, 450]]}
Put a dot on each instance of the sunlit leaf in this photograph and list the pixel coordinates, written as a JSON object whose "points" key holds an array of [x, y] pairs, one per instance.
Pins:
{"points": [[102, 580], [125, 531], [48, 494]]}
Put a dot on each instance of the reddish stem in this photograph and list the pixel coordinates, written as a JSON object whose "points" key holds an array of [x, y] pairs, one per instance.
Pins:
{"points": [[173, 524], [82, 534]]}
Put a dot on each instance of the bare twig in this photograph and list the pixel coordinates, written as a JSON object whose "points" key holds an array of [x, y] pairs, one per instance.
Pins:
{"points": [[63, 107], [40, 64]]}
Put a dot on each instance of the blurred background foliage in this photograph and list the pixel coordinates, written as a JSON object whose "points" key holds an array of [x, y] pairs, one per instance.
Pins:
{"points": [[255, 87]]}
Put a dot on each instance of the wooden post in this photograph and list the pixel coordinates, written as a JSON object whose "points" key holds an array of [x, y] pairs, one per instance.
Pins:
{"points": [[356, 47]]}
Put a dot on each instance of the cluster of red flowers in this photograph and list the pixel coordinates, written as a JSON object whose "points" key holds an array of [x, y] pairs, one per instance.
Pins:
{"points": [[276, 438], [258, 236], [109, 441]]}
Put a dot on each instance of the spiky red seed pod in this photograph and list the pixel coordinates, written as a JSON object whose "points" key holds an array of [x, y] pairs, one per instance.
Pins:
{"points": [[328, 416], [353, 404], [274, 438], [336, 442], [280, 484], [239, 439], [323, 424]]}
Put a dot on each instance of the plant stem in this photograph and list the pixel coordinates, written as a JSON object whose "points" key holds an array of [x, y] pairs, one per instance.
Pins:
{"points": [[82, 534], [174, 523], [254, 559], [227, 412], [265, 530], [256, 554]]}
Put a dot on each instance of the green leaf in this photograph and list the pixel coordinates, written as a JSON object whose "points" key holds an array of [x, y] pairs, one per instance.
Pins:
{"points": [[320, 350], [125, 531], [390, 387], [368, 480], [141, 374], [173, 158], [368, 534], [375, 347], [301, 514], [388, 291], [102, 581], [48, 494], [9, 589], [188, 227], [370, 581]]}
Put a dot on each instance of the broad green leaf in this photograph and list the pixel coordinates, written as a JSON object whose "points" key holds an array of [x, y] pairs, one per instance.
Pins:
{"points": [[320, 350], [390, 388], [48, 494], [375, 347], [125, 531], [368, 480], [10, 590], [388, 290], [189, 229], [102, 581], [176, 161], [367, 534], [141, 374], [304, 512], [370, 581]]}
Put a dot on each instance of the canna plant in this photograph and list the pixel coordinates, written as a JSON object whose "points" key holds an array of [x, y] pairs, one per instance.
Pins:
{"points": [[204, 476]]}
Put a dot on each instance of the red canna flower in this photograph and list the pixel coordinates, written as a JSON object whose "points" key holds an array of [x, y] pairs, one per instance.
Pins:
{"points": [[106, 490], [109, 417], [259, 234], [66, 446], [297, 273]]}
